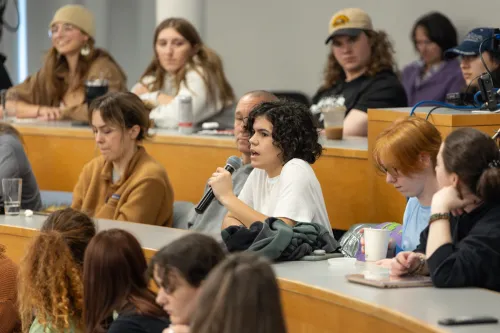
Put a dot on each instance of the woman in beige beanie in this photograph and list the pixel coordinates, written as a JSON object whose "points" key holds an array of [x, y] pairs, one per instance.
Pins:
{"points": [[57, 91]]}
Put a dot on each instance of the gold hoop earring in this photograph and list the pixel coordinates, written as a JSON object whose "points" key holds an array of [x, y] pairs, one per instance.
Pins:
{"points": [[85, 50]]}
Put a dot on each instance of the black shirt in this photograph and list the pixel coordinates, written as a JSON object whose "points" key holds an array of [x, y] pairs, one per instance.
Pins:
{"points": [[384, 90], [135, 323], [473, 257]]}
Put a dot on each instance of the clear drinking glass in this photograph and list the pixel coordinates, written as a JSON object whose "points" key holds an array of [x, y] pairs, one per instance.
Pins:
{"points": [[12, 191], [8, 104]]}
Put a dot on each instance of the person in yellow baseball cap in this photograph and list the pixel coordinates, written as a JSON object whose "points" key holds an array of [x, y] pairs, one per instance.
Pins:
{"points": [[360, 72], [57, 90]]}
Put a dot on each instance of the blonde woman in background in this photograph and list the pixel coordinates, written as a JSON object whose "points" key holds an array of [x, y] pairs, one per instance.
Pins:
{"points": [[183, 65], [57, 90]]}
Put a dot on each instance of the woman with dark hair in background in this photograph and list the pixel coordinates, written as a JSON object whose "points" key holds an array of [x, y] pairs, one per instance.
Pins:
{"points": [[124, 183], [183, 65], [179, 270], [432, 76], [283, 145], [57, 91], [114, 279], [461, 245], [15, 164], [242, 281], [50, 274]]}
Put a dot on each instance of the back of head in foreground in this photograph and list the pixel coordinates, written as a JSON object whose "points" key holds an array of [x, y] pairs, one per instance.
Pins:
{"points": [[240, 295], [50, 274]]}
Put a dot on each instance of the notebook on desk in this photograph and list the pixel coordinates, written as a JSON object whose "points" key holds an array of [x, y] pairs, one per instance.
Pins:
{"points": [[391, 281]]}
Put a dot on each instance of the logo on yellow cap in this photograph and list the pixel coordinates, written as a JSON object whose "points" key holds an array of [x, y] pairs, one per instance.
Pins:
{"points": [[339, 20]]}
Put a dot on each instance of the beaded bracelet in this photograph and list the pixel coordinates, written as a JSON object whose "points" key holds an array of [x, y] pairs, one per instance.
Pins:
{"points": [[419, 268], [439, 216]]}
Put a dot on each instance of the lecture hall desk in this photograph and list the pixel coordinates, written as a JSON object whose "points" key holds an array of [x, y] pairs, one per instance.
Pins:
{"points": [[317, 298], [58, 152], [353, 189]]}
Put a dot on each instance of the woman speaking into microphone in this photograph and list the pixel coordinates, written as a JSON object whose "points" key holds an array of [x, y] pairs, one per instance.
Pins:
{"points": [[283, 145]]}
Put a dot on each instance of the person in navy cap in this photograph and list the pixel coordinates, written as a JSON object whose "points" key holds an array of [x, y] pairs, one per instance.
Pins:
{"points": [[470, 62]]}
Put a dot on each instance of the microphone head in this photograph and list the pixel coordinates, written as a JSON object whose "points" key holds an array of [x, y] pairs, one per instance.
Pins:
{"points": [[234, 162]]}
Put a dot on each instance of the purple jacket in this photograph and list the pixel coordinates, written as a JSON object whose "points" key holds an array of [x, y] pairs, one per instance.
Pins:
{"points": [[447, 79]]}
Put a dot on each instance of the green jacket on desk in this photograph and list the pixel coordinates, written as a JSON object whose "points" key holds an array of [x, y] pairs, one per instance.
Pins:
{"points": [[276, 240]]}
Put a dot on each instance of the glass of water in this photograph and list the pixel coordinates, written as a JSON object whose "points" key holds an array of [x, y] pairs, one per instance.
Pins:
{"points": [[8, 103], [12, 191]]}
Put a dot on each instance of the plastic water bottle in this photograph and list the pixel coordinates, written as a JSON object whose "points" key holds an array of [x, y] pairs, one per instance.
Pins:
{"points": [[186, 117]]}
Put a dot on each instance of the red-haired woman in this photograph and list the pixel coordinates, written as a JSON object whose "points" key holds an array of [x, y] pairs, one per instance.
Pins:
{"points": [[114, 279], [406, 152]]}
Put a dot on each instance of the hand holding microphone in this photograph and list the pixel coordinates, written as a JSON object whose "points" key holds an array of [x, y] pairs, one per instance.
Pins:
{"points": [[220, 183]]}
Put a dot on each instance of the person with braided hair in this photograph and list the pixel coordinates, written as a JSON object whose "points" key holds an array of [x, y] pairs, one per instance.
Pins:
{"points": [[50, 286]]}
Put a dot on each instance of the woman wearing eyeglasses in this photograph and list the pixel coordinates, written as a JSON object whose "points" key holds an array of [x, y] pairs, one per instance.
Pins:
{"points": [[57, 91]]}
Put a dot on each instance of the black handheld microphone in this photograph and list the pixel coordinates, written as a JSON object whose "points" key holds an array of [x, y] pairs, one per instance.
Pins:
{"points": [[233, 163]]}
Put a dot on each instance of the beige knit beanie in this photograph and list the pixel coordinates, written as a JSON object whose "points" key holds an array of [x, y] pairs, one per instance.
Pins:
{"points": [[77, 15]]}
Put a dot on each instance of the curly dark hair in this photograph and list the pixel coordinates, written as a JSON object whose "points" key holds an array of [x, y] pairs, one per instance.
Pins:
{"points": [[295, 130]]}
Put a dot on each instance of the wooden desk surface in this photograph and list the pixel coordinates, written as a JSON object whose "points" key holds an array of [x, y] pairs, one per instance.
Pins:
{"points": [[58, 152], [316, 297]]}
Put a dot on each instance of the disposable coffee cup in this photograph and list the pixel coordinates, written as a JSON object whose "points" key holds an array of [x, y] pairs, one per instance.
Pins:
{"points": [[376, 243], [333, 118]]}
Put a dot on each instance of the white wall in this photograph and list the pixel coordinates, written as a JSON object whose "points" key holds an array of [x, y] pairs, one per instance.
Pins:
{"points": [[265, 44], [279, 44]]}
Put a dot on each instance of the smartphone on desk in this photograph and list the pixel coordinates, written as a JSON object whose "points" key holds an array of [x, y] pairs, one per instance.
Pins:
{"points": [[468, 320]]}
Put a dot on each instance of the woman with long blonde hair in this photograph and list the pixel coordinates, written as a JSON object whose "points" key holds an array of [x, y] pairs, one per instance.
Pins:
{"points": [[50, 274], [183, 65], [57, 91]]}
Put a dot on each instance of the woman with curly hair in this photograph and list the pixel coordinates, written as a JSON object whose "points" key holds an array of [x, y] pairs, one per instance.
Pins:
{"points": [[283, 145], [50, 274], [360, 71]]}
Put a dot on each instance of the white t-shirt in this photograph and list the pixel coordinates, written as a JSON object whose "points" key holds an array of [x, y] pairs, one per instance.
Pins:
{"points": [[295, 194]]}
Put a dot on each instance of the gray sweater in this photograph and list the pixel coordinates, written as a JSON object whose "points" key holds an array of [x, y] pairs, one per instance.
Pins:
{"points": [[15, 164], [211, 220]]}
